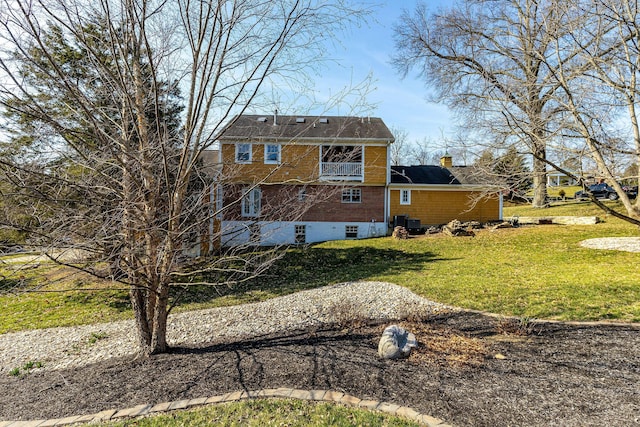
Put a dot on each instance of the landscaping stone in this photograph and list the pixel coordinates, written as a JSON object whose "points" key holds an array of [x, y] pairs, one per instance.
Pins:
{"points": [[400, 233], [505, 224], [457, 228], [396, 343]]}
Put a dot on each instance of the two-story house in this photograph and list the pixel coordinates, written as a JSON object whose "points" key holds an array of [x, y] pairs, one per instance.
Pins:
{"points": [[305, 179], [302, 179]]}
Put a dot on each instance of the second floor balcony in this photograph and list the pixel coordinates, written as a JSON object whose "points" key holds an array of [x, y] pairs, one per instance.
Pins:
{"points": [[341, 171]]}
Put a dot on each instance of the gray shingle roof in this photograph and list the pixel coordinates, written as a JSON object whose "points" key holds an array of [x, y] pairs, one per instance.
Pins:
{"points": [[302, 127]]}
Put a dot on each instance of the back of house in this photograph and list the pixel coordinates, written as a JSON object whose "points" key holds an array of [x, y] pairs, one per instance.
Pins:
{"points": [[302, 179]]}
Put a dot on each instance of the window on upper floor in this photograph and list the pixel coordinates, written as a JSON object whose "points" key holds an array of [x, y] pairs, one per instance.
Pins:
{"points": [[351, 195], [243, 153], [272, 153]]}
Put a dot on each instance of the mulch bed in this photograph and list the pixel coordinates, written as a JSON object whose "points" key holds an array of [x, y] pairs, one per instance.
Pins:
{"points": [[471, 369]]}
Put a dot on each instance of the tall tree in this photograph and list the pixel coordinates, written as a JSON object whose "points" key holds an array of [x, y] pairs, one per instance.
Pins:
{"points": [[491, 62], [35, 132], [219, 54], [601, 100]]}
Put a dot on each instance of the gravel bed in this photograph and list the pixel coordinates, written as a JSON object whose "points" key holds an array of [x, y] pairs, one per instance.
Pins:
{"points": [[627, 244], [66, 347]]}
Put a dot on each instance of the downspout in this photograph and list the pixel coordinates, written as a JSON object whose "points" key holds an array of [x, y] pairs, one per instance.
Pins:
{"points": [[213, 201], [387, 192]]}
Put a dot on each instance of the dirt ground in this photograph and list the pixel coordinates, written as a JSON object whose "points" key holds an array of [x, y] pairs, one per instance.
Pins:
{"points": [[471, 370]]}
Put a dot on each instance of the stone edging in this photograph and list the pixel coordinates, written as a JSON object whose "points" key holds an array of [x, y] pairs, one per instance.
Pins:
{"points": [[287, 393]]}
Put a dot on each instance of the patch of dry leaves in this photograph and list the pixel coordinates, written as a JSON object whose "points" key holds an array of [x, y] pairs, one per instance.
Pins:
{"points": [[444, 346]]}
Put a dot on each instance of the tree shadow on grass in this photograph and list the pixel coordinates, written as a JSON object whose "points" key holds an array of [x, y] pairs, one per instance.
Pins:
{"points": [[118, 300], [313, 267]]}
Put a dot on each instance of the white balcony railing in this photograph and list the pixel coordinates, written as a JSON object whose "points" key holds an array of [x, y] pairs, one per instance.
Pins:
{"points": [[341, 171]]}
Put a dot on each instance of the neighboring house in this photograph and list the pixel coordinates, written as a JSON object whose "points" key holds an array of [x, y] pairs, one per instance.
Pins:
{"points": [[304, 179], [301, 179], [435, 195], [558, 179]]}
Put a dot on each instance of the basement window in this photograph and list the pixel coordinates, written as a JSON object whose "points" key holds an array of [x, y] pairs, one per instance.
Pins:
{"points": [[301, 233], [351, 231]]}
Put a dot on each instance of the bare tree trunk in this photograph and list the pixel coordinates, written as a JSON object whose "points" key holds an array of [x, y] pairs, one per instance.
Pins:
{"points": [[127, 146]]}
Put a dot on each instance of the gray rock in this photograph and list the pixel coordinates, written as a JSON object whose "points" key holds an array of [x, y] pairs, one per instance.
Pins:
{"points": [[396, 343]]}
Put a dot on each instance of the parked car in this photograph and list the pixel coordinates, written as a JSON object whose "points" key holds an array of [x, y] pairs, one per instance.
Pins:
{"points": [[604, 190]]}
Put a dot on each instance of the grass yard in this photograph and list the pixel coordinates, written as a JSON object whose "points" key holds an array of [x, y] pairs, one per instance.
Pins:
{"points": [[531, 271], [270, 412]]}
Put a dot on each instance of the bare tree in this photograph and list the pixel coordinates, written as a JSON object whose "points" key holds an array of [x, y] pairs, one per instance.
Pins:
{"points": [[399, 150], [420, 152], [124, 188], [491, 62], [601, 99]]}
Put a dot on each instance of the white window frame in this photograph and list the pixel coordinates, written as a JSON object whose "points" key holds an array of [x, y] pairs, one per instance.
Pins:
{"points": [[267, 153], [302, 194], [219, 196], [300, 232], [248, 152], [405, 200], [252, 203], [352, 195], [350, 231]]}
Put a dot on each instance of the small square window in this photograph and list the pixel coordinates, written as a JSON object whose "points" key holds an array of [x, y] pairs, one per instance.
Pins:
{"points": [[351, 195], [301, 233], [272, 153], [302, 195], [351, 231], [243, 153], [405, 197]]}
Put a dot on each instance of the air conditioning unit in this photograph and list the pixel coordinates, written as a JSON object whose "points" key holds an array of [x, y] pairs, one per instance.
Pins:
{"points": [[413, 225], [400, 220]]}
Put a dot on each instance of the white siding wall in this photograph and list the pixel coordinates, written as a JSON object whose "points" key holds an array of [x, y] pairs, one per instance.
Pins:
{"points": [[237, 232]]}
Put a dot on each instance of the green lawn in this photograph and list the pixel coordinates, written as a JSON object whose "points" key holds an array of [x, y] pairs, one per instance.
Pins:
{"points": [[270, 413], [532, 271]]}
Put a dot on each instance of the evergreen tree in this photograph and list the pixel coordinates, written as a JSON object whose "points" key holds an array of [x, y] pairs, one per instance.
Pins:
{"points": [[513, 170]]}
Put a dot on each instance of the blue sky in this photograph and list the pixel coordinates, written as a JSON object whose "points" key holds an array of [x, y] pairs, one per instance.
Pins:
{"points": [[401, 103]]}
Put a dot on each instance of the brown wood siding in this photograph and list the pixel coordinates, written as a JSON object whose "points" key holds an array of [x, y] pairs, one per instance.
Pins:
{"points": [[375, 165], [439, 207], [298, 163]]}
